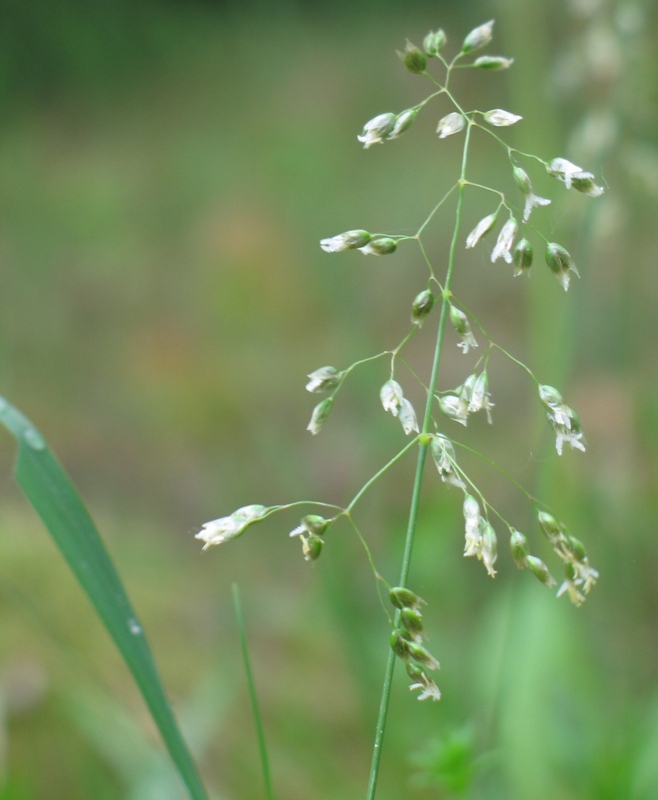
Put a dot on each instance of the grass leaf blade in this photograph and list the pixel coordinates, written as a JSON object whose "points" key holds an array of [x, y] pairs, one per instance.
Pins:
{"points": [[56, 501]]}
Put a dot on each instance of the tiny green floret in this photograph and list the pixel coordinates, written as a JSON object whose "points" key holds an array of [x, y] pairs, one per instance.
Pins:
{"points": [[540, 571], [421, 307], [483, 227], [501, 118], [377, 129], [460, 323], [412, 621], [382, 246], [413, 58], [402, 597], [450, 124], [519, 546], [223, 529], [403, 122], [319, 416], [434, 41], [399, 645], [560, 263], [345, 241], [478, 38], [493, 63], [323, 379], [522, 256]]}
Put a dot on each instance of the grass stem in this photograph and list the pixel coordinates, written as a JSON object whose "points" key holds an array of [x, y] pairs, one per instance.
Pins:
{"points": [[415, 494], [235, 592]]}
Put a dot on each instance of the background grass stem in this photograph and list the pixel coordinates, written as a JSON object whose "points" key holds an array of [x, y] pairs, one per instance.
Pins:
{"points": [[253, 699]]}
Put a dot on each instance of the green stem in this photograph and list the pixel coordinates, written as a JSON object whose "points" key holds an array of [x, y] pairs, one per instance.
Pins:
{"points": [[496, 466], [515, 360], [509, 149], [269, 795], [435, 209], [415, 494], [378, 475]]}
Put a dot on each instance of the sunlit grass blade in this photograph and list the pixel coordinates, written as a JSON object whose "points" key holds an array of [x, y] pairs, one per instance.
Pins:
{"points": [[56, 501]]}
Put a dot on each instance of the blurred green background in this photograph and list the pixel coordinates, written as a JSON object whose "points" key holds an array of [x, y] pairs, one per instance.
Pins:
{"points": [[167, 170]]}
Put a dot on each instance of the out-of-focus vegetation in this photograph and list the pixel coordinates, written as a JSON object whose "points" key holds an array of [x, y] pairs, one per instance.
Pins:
{"points": [[167, 171]]}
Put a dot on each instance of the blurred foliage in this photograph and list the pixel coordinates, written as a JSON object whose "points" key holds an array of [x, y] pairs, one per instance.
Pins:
{"points": [[167, 172]]}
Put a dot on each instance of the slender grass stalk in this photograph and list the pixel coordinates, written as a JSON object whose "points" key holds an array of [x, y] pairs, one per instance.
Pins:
{"points": [[415, 493], [253, 699]]}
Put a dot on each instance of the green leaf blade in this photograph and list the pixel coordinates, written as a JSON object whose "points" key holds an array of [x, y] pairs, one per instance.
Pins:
{"points": [[56, 501]]}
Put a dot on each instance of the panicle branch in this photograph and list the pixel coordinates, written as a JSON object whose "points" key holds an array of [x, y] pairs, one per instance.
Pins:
{"points": [[513, 244]]}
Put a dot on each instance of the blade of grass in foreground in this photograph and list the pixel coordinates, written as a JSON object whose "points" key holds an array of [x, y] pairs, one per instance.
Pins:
{"points": [[56, 501]]}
